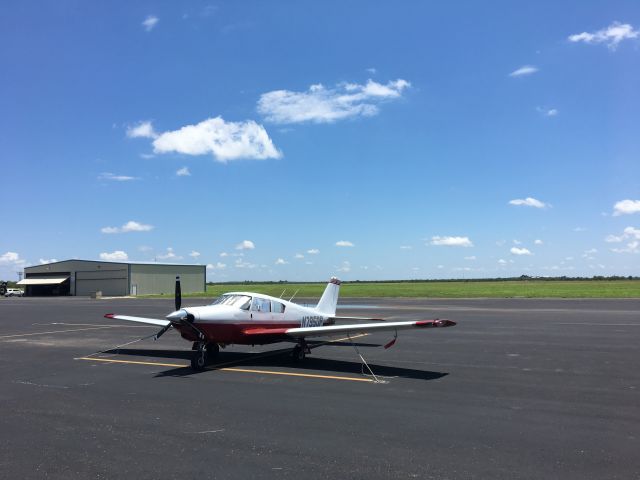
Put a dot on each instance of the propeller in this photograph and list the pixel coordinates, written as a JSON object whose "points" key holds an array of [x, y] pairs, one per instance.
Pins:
{"points": [[178, 296], [178, 304]]}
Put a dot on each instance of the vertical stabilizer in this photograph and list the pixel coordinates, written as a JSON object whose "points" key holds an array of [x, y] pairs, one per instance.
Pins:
{"points": [[329, 299]]}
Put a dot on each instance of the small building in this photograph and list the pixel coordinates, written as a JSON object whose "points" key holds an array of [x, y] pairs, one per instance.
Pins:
{"points": [[86, 277]]}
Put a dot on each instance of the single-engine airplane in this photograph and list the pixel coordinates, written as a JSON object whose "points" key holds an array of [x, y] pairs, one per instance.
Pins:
{"points": [[247, 318]]}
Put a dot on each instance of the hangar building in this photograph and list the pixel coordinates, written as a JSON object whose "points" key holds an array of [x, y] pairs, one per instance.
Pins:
{"points": [[85, 277]]}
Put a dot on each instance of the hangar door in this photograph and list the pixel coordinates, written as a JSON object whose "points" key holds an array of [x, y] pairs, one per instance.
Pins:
{"points": [[109, 282]]}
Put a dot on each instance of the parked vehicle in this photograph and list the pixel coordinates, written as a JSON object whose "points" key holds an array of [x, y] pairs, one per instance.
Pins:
{"points": [[14, 292]]}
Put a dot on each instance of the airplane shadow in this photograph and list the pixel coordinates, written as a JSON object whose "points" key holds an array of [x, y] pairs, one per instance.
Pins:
{"points": [[278, 358]]}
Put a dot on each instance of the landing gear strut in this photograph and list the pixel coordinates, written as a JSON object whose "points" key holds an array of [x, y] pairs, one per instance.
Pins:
{"points": [[300, 351], [204, 352]]}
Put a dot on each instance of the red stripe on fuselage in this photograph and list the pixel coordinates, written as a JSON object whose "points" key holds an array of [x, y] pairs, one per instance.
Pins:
{"points": [[235, 332]]}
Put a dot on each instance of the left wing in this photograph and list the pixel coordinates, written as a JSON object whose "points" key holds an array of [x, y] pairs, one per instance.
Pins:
{"points": [[364, 328]]}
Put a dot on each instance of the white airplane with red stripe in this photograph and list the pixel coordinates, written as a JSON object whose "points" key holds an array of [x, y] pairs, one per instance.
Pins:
{"points": [[247, 318]]}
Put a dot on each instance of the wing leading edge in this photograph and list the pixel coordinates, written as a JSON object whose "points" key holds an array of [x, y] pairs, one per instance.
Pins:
{"points": [[365, 328], [148, 321]]}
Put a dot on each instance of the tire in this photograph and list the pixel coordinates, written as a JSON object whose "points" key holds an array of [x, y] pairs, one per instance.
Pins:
{"points": [[199, 361], [298, 354]]}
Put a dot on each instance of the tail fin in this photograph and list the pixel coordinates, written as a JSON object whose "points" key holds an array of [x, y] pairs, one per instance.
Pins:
{"points": [[329, 299]]}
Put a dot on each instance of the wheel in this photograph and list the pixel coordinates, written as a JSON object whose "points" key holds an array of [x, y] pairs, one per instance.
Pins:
{"points": [[298, 354], [199, 360]]}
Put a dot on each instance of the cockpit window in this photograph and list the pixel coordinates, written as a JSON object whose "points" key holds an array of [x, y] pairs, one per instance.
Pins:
{"points": [[239, 301]]}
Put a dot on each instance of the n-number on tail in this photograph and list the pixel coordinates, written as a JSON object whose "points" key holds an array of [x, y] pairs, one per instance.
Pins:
{"points": [[329, 299]]}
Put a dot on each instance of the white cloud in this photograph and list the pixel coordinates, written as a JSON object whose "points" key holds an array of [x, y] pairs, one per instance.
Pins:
{"points": [[626, 207], [240, 263], [345, 267], [130, 226], [344, 243], [183, 172], [216, 266], [299, 256], [610, 36], [281, 261], [194, 254], [326, 105], [452, 241], [224, 254], [548, 112], [502, 261], [471, 257], [313, 251], [524, 70], [517, 242], [115, 178], [47, 260], [538, 242], [169, 255], [631, 236], [520, 251], [224, 140], [528, 202], [11, 258], [150, 22], [142, 130], [118, 255], [245, 245]]}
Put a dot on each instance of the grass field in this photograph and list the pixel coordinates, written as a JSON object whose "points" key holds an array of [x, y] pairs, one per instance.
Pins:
{"points": [[497, 289]]}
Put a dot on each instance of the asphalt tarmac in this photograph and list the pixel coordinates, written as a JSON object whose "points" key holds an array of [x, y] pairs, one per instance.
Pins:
{"points": [[518, 389]]}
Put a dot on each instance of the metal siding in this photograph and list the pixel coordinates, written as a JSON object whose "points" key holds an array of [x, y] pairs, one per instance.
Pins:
{"points": [[158, 279]]}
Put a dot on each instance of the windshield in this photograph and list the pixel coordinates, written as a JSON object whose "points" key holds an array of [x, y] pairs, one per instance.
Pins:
{"points": [[240, 301]]}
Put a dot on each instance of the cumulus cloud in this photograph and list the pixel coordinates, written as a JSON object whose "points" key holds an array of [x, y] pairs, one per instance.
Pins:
{"points": [[224, 140], [313, 251], [451, 241], [194, 254], [116, 256], [611, 36], [130, 226], [115, 178], [502, 261], [150, 22], [528, 202], [326, 105], [626, 207], [631, 236], [548, 112], [520, 251], [538, 242], [183, 172], [216, 266], [524, 70], [169, 255], [142, 130], [245, 245], [344, 243], [299, 256], [11, 258], [281, 261]]}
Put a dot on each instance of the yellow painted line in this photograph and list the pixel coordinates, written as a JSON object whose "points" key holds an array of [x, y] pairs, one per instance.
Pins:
{"points": [[133, 362], [229, 369]]}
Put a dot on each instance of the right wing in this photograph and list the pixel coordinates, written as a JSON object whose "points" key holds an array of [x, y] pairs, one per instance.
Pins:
{"points": [[355, 319], [364, 328], [148, 321]]}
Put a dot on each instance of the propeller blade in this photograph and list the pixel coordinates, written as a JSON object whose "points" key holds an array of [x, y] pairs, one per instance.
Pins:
{"points": [[178, 296], [161, 332]]}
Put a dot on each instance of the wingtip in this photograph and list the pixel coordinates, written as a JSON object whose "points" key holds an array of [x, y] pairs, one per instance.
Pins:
{"points": [[109, 315]]}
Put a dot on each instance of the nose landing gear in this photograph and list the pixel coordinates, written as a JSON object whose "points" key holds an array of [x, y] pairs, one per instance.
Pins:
{"points": [[203, 354]]}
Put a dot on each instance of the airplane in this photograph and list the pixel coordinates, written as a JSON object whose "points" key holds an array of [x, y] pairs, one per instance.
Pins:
{"points": [[247, 318]]}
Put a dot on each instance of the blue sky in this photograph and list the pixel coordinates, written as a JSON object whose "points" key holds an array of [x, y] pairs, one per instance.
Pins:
{"points": [[299, 140]]}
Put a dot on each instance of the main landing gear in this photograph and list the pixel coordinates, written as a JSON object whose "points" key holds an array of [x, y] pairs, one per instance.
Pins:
{"points": [[203, 354], [300, 351]]}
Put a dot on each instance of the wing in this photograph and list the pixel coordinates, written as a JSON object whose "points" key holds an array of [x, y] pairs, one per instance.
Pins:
{"points": [[148, 321], [355, 319], [364, 328]]}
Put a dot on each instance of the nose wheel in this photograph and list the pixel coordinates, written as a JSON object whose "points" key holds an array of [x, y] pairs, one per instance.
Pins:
{"points": [[203, 354]]}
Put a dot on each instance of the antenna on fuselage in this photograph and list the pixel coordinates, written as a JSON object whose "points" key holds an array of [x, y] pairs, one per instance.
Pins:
{"points": [[294, 294]]}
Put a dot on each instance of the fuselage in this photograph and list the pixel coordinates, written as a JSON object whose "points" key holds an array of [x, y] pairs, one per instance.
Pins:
{"points": [[230, 316]]}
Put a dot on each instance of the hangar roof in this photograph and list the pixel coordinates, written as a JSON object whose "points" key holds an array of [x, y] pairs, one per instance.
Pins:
{"points": [[121, 263]]}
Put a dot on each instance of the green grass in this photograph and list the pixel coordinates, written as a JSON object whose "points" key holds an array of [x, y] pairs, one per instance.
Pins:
{"points": [[461, 289]]}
